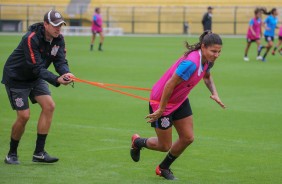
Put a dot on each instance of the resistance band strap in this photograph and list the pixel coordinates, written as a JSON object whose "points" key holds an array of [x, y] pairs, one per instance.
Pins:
{"points": [[105, 86]]}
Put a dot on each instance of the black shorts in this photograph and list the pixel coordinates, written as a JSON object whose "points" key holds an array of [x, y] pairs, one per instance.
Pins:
{"points": [[19, 97], [250, 40], [268, 38], [280, 38], [165, 122]]}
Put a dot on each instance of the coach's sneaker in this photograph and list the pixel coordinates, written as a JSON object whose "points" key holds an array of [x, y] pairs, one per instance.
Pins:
{"points": [[12, 159], [246, 59], [135, 151], [43, 157], [166, 173]]}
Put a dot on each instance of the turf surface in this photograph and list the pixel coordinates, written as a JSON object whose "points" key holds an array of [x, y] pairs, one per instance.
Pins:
{"points": [[92, 127]]}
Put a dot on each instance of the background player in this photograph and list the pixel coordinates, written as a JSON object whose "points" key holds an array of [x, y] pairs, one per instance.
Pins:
{"points": [[97, 23], [279, 42], [254, 33], [270, 24], [174, 108]]}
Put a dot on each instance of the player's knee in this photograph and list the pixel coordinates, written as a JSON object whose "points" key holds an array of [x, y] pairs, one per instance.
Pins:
{"points": [[23, 117], [50, 107], [187, 140]]}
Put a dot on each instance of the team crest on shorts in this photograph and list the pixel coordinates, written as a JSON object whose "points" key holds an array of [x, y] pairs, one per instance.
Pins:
{"points": [[19, 102], [165, 122]]}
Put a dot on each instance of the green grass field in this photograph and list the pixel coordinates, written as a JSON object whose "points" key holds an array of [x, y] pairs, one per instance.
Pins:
{"points": [[92, 127]]}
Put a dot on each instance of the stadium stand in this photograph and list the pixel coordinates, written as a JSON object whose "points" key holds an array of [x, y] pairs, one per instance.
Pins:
{"points": [[141, 16]]}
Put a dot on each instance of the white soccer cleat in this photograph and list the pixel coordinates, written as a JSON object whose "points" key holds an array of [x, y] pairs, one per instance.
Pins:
{"points": [[259, 58], [246, 59]]}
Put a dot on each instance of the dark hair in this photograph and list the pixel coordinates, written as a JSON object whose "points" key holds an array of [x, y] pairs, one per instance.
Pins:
{"points": [[271, 12], [207, 38], [97, 9], [257, 10]]}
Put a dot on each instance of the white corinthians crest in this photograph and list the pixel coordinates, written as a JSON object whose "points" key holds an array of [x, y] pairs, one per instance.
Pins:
{"points": [[19, 102], [165, 122], [55, 50]]}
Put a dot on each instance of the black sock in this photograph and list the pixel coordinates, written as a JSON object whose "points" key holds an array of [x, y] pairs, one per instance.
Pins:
{"points": [[275, 48], [140, 143], [13, 146], [40, 143], [91, 47], [169, 159], [265, 54], [259, 51], [100, 46]]}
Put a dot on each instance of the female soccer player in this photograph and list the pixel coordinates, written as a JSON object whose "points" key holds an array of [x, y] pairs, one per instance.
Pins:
{"points": [[97, 23], [170, 106], [279, 42], [270, 24], [254, 33]]}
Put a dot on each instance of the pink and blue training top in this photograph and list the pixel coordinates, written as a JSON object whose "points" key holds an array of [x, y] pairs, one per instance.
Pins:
{"points": [[256, 25], [97, 23], [280, 31], [191, 70]]}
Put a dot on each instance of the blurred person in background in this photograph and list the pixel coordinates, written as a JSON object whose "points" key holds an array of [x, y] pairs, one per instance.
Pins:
{"points": [[254, 33], [270, 24], [97, 28], [279, 42], [207, 19]]}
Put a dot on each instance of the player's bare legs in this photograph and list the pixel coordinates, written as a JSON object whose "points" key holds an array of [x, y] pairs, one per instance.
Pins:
{"points": [[101, 40], [92, 40]]}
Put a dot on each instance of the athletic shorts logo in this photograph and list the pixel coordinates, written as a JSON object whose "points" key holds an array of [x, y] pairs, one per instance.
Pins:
{"points": [[165, 122], [19, 102], [55, 50]]}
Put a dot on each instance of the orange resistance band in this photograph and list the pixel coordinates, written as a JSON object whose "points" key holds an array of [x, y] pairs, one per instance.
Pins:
{"points": [[106, 86]]}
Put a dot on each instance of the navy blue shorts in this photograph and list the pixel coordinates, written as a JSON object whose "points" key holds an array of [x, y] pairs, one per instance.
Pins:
{"points": [[19, 97], [165, 122], [268, 38]]}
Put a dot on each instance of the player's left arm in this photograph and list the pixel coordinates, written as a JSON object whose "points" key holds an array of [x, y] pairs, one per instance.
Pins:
{"points": [[211, 86]]}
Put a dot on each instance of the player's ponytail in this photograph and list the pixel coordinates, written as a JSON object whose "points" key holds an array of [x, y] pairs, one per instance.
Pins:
{"points": [[271, 12], [207, 38]]}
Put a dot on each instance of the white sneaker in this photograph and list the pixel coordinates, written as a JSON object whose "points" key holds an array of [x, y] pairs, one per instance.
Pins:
{"points": [[246, 59], [259, 58]]}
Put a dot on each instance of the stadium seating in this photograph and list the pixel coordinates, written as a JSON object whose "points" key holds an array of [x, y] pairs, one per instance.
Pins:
{"points": [[188, 2], [36, 2], [142, 16]]}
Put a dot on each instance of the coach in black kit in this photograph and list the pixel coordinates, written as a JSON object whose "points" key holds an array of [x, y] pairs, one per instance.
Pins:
{"points": [[25, 74], [207, 20]]}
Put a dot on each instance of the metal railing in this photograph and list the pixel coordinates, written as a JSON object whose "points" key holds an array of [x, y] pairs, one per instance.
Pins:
{"points": [[141, 20]]}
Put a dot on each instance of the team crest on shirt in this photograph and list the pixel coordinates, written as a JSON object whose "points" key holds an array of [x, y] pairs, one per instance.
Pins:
{"points": [[55, 50], [165, 122], [19, 102]]}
